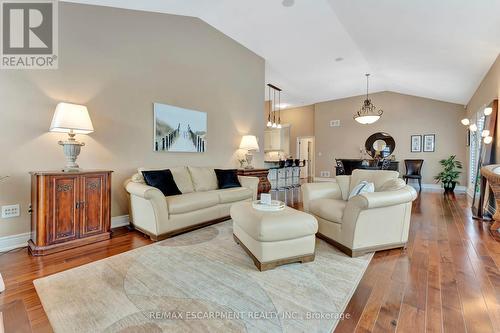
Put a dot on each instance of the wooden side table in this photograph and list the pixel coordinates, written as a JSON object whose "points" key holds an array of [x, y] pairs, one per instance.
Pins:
{"points": [[69, 209], [264, 184]]}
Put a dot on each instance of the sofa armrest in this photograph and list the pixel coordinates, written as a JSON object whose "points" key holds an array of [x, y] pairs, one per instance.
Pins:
{"points": [[384, 199], [144, 191], [252, 183], [313, 191], [148, 206]]}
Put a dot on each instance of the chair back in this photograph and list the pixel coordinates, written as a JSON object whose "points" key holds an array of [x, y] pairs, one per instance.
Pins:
{"points": [[386, 164], [377, 177], [413, 167], [340, 170]]}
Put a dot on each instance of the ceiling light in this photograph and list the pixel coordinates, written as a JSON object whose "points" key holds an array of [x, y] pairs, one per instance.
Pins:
{"points": [[473, 127], [485, 133], [368, 114], [288, 3], [487, 111], [488, 140], [465, 121], [274, 125]]}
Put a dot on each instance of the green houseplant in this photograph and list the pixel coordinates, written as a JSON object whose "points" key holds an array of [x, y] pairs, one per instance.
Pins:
{"points": [[450, 174]]}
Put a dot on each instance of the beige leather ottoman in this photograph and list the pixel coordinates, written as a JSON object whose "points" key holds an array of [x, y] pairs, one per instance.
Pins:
{"points": [[274, 238]]}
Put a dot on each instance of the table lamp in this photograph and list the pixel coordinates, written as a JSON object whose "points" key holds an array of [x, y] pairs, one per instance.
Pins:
{"points": [[72, 119], [249, 143]]}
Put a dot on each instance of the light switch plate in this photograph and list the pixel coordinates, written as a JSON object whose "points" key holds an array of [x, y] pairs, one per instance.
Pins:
{"points": [[335, 123], [10, 211], [324, 173]]}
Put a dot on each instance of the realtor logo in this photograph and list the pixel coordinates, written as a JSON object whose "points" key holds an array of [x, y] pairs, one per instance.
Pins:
{"points": [[29, 34]]}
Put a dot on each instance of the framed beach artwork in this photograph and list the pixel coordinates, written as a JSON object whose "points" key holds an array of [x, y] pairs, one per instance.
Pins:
{"points": [[429, 142], [416, 143], [178, 129]]}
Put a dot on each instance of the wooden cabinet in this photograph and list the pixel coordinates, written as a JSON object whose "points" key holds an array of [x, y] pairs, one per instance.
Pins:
{"points": [[264, 184], [69, 209]]}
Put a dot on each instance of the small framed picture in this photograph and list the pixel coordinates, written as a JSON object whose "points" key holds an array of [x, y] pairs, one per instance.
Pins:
{"points": [[416, 143], [429, 142]]}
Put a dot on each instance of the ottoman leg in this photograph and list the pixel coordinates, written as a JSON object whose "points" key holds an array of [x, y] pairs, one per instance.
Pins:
{"points": [[264, 266]]}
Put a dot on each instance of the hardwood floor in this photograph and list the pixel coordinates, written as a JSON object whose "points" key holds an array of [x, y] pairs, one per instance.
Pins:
{"points": [[446, 280]]}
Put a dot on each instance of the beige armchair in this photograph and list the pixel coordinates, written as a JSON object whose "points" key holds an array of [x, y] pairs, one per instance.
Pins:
{"points": [[367, 222]]}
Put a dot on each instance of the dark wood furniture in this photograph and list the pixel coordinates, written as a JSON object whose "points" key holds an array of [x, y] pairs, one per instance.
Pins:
{"points": [[69, 209], [264, 184], [352, 164], [414, 171]]}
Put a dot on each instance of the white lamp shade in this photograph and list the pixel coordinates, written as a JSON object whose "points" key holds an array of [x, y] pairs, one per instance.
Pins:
{"points": [[249, 142], [465, 122], [71, 117], [488, 110]]}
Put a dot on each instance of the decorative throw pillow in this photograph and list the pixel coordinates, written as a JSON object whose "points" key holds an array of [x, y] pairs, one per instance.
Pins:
{"points": [[162, 180], [227, 178], [362, 187]]}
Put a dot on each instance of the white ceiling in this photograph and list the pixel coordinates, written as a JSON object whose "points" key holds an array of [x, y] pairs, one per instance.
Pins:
{"points": [[436, 49]]}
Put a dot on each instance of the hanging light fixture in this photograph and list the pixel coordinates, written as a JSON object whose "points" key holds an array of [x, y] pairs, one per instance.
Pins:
{"points": [[368, 113], [269, 122], [274, 108], [473, 127], [487, 110], [465, 121]]}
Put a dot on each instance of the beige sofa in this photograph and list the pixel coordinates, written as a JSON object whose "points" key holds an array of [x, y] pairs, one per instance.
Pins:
{"points": [[201, 202], [367, 222]]}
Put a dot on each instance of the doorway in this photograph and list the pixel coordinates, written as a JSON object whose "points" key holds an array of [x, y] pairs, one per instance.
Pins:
{"points": [[305, 151]]}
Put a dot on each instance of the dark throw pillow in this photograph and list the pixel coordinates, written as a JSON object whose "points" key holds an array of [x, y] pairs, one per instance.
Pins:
{"points": [[162, 180], [227, 178]]}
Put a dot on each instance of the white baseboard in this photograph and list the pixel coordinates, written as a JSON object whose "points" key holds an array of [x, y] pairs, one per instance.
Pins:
{"points": [[120, 221], [437, 187], [324, 179], [16, 241]]}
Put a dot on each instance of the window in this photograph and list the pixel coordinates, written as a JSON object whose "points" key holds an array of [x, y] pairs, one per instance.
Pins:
{"points": [[475, 146]]}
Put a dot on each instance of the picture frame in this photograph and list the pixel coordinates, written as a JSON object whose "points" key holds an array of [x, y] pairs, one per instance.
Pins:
{"points": [[179, 130], [416, 144], [429, 144]]}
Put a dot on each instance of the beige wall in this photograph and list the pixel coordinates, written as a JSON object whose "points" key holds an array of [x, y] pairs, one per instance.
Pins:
{"points": [[300, 119], [403, 116], [301, 122], [488, 90], [118, 62]]}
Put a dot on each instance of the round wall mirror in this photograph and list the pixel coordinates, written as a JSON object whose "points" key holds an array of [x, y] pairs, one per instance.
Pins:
{"points": [[380, 145]]}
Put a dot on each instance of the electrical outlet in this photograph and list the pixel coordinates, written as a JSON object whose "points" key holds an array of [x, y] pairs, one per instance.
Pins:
{"points": [[10, 211], [324, 173]]}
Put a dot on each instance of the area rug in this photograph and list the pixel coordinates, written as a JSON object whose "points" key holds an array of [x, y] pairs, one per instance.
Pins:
{"points": [[201, 281]]}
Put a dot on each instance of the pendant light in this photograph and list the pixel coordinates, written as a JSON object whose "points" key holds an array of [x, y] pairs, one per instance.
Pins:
{"points": [[269, 122], [274, 109], [368, 113]]}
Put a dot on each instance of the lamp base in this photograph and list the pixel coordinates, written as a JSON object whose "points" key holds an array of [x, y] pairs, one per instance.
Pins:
{"points": [[249, 158], [71, 149]]}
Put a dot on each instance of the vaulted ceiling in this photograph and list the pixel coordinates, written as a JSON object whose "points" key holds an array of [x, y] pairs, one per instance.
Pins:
{"points": [[318, 50]]}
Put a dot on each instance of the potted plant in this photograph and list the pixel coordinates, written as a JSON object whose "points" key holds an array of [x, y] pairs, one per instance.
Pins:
{"points": [[450, 174]]}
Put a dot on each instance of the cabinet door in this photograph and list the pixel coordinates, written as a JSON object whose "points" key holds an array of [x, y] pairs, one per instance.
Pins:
{"points": [[63, 214], [93, 204]]}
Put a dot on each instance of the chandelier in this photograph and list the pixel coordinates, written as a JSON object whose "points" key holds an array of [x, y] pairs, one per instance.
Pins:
{"points": [[368, 113]]}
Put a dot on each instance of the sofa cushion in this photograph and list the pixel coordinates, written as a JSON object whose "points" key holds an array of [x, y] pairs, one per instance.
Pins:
{"points": [[227, 178], [204, 179], [328, 209], [234, 194], [392, 185], [362, 187], [181, 176], [189, 202], [162, 180], [377, 177]]}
